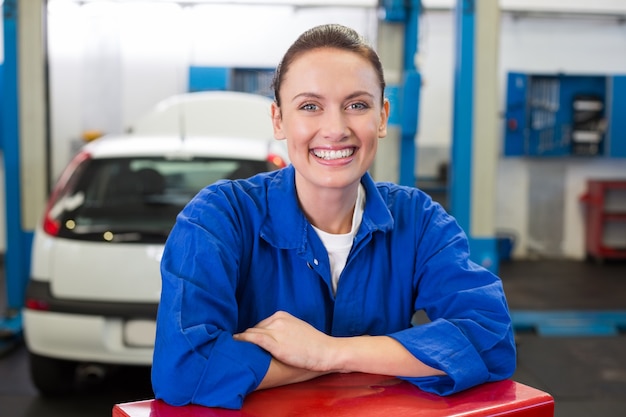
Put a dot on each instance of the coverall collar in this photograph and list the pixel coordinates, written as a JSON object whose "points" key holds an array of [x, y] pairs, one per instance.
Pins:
{"points": [[286, 225]]}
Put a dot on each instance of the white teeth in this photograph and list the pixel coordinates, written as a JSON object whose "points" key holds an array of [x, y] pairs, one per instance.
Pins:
{"points": [[328, 155]]}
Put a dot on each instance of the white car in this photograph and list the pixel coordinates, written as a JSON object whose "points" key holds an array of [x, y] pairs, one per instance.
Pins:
{"points": [[95, 279]]}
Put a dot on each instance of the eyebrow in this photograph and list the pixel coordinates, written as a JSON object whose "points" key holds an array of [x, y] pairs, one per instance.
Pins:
{"points": [[305, 95], [317, 96]]}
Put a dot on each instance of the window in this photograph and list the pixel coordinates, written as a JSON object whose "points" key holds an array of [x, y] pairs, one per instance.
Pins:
{"points": [[137, 199]]}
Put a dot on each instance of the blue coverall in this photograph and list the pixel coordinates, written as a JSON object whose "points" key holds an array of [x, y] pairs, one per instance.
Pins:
{"points": [[242, 250]]}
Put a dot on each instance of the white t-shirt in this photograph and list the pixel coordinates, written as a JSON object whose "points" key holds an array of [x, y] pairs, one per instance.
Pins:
{"points": [[339, 245]]}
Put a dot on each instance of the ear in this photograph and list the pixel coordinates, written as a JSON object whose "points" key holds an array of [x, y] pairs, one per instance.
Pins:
{"points": [[277, 122], [384, 118]]}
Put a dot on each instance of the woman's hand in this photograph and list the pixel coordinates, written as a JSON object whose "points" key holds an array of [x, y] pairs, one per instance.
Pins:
{"points": [[298, 345], [293, 342]]}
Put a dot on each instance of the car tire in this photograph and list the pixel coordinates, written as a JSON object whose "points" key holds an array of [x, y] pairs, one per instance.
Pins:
{"points": [[52, 377]]}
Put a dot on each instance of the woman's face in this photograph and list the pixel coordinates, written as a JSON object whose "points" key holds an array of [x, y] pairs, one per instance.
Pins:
{"points": [[332, 117]]}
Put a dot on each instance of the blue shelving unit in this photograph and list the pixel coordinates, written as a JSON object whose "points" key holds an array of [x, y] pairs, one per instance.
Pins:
{"points": [[245, 80], [558, 115]]}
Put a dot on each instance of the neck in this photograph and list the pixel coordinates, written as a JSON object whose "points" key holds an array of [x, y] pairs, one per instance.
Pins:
{"points": [[329, 209]]}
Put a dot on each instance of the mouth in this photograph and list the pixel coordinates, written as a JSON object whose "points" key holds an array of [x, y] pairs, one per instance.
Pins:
{"points": [[331, 155]]}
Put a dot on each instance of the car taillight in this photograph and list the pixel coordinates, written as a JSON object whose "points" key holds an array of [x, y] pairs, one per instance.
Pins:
{"points": [[51, 224], [276, 160], [34, 304]]}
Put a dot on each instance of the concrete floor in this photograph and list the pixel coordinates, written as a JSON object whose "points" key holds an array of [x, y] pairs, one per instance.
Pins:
{"points": [[586, 374]]}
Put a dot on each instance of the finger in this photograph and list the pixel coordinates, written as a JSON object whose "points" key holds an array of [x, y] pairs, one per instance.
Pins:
{"points": [[248, 333], [257, 336]]}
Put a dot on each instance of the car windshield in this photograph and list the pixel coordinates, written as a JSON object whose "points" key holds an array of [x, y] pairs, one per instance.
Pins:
{"points": [[137, 199]]}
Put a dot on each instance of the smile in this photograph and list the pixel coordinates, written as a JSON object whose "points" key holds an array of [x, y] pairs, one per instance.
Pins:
{"points": [[329, 155]]}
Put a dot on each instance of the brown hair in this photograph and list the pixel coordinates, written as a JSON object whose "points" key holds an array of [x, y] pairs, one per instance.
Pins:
{"points": [[327, 36]]}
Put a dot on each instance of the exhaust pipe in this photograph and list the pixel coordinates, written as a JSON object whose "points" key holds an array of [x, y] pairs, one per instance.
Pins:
{"points": [[91, 373]]}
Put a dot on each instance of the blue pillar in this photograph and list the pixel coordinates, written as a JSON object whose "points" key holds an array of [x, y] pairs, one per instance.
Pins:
{"points": [[462, 126], [17, 256], [410, 97], [472, 165], [407, 13]]}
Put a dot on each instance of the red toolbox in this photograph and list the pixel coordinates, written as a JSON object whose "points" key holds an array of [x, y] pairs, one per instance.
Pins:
{"points": [[605, 222]]}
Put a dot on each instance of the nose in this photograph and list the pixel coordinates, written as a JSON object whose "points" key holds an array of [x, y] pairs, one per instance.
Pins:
{"points": [[334, 125]]}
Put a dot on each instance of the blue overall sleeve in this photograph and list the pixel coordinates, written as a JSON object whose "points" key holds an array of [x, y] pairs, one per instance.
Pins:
{"points": [[196, 360], [470, 334]]}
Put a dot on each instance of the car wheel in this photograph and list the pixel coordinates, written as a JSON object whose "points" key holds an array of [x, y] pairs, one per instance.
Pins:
{"points": [[52, 377]]}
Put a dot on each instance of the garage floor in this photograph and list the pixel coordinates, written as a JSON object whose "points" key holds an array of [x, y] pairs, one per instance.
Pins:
{"points": [[580, 360]]}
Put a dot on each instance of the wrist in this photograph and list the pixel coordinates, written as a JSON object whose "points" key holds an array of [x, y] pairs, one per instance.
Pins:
{"points": [[342, 357]]}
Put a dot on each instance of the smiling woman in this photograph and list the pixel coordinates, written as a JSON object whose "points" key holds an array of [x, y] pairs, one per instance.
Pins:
{"points": [[333, 116], [316, 268]]}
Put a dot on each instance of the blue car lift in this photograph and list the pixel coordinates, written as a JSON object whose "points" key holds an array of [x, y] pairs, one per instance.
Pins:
{"points": [[473, 155], [466, 163], [570, 323], [408, 94]]}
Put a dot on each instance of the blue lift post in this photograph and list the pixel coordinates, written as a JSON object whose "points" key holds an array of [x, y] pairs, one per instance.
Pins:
{"points": [[463, 167], [17, 256], [462, 125], [407, 12]]}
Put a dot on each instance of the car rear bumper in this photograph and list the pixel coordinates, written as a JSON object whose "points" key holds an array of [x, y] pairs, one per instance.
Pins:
{"points": [[84, 331], [39, 296], [84, 338]]}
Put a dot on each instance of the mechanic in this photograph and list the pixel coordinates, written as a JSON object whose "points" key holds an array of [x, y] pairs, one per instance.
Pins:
{"points": [[316, 268]]}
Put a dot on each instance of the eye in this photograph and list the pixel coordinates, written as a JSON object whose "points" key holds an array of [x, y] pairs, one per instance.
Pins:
{"points": [[309, 107], [358, 106]]}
